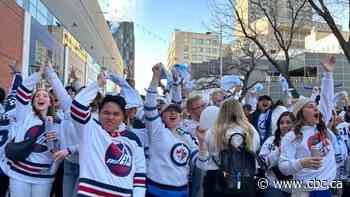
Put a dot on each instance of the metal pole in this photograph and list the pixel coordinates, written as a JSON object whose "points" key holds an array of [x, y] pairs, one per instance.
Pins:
{"points": [[220, 52]]}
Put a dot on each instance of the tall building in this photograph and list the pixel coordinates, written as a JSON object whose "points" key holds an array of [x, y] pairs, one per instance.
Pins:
{"points": [[190, 47], [11, 39], [125, 39], [254, 17]]}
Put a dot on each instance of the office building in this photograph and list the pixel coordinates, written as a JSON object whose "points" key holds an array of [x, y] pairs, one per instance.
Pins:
{"points": [[190, 47], [125, 39]]}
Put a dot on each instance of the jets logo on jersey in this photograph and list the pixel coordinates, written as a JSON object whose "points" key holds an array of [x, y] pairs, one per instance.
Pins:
{"points": [[118, 158], [180, 154], [37, 131], [3, 137], [320, 140]]}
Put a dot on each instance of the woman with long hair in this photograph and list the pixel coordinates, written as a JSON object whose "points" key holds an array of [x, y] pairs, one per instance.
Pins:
{"points": [[270, 153], [34, 175], [307, 153], [231, 120]]}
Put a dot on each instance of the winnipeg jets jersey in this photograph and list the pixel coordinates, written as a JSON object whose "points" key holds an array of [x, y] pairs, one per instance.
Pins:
{"points": [[6, 130], [39, 167], [169, 153], [110, 165]]}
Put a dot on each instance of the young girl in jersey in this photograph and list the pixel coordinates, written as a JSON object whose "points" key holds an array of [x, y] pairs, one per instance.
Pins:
{"points": [[170, 148], [32, 177], [270, 152], [111, 158], [231, 120]]}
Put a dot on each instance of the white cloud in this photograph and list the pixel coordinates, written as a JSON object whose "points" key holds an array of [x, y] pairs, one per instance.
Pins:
{"points": [[121, 10]]}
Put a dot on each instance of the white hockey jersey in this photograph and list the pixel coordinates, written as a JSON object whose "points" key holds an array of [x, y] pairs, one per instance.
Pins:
{"points": [[69, 138], [6, 131], [39, 167], [109, 165], [169, 154]]}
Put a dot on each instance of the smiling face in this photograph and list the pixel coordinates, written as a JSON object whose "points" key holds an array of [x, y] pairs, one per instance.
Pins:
{"points": [[41, 101], [111, 116], [285, 124], [264, 105], [311, 114], [171, 118], [196, 109]]}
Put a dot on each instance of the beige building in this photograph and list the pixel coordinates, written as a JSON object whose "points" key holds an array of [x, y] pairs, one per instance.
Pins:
{"points": [[323, 42], [189, 47], [255, 21]]}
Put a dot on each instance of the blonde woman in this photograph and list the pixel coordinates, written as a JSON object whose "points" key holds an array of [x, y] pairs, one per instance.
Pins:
{"points": [[223, 136]]}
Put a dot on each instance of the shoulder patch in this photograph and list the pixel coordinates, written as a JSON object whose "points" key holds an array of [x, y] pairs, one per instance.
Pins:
{"points": [[132, 136]]}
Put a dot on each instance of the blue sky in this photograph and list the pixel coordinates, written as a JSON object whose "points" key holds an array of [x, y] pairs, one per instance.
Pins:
{"points": [[160, 17]]}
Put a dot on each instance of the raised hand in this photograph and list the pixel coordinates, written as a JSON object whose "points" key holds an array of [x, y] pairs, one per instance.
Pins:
{"points": [[102, 79], [328, 64], [73, 74], [13, 66], [41, 69], [200, 134], [156, 71]]}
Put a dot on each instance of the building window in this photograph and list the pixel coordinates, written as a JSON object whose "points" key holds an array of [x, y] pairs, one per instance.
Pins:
{"points": [[186, 49], [194, 41]]}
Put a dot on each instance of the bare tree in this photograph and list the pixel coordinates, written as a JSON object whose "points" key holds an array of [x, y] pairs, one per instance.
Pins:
{"points": [[245, 64], [272, 29], [328, 10]]}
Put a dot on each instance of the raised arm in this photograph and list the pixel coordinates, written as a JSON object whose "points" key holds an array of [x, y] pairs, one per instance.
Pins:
{"points": [[80, 110], [24, 95], [327, 90], [16, 82], [129, 94], [60, 91], [152, 118]]}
